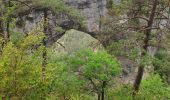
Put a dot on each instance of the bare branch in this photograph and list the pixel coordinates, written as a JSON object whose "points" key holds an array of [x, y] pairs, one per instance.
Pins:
{"points": [[23, 3], [138, 17]]}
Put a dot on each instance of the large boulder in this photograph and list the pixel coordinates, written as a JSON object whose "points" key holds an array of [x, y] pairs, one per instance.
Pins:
{"points": [[73, 41]]}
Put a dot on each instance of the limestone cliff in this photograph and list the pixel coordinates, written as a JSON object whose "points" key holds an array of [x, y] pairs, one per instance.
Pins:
{"points": [[92, 10]]}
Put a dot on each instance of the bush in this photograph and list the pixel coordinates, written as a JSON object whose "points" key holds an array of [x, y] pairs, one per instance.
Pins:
{"points": [[152, 88]]}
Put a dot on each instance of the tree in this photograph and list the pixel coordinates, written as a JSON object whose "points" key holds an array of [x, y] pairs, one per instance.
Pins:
{"points": [[147, 18], [20, 66], [12, 9], [56, 7], [5, 20], [96, 68]]}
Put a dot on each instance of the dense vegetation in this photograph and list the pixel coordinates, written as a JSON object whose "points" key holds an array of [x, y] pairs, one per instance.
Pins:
{"points": [[30, 68]]}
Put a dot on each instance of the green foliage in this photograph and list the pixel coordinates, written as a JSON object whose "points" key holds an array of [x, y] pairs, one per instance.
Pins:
{"points": [[20, 70], [127, 47], [21, 59], [161, 64], [59, 29], [122, 92], [59, 7], [81, 73], [95, 68], [63, 83], [121, 7], [153, 88], [16, 37], [21, 67], [99, 65]]}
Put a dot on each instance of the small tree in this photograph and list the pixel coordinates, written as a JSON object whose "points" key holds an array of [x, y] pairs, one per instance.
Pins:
{"points": [[96, 68], [20, 66], [62, 83]]}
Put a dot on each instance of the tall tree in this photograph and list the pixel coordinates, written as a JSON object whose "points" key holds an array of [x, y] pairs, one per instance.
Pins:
{"points": [[146, 18], [147, 33]]}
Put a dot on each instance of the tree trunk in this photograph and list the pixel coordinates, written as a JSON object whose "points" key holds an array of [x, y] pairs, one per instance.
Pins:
{"points": [[1, 24], [4, 98], [7, 33], [98, 96], [44, 52], [145, 47], [103, 90], [138, 79], [44, 55], [102, 95], [6, 24]]}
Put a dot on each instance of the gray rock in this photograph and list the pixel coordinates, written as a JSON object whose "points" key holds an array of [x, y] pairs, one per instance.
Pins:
{"points": [[93, 10], [74, 41]]}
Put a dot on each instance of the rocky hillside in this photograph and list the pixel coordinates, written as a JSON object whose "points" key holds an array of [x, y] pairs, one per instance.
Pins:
{"points": [[92, 11]]}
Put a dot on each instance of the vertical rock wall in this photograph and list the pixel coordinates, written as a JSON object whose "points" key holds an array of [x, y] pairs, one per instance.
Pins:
{"points": [[93, 10]]}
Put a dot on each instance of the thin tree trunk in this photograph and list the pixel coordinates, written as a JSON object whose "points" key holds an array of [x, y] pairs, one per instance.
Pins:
{"points": [[7, 33], [4, 98], [1, 23], [102, 95], [6, 24], [103, 90], [98, 96], [44, 55], [145, 47]]}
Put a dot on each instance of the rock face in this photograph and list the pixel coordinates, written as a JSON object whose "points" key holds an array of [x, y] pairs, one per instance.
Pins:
{"points": [[93, 10]]}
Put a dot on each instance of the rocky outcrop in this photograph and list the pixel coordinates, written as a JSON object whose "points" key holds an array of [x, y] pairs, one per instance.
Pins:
{"points": [[74, 41], [93, 10]]}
